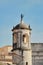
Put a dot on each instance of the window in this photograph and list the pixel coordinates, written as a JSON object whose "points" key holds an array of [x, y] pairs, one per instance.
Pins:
{"points": [[26, 63], [15, 38], [25, 38]]}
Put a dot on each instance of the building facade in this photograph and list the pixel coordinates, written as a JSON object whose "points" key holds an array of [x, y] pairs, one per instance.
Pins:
{"points": [[22, 51], [22, 44], [37, 53]]}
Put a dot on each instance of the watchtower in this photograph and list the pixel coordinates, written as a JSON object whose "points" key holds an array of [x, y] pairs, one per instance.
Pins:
{"points": [[22, 53]]}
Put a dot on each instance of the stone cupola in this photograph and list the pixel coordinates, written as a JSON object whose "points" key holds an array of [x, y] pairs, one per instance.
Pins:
{"points": [[22, 42]]}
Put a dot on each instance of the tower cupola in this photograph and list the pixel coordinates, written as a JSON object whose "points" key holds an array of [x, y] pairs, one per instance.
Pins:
{"points": [[21, 35], [22, 43]]}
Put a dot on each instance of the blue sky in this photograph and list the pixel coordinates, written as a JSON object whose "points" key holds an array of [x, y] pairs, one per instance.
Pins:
{"points": [[10, 11]]}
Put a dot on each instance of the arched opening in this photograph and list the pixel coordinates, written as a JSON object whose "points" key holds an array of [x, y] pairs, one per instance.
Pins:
{"points": [[15, 38], [26, 63], [25, 38], [15, 41]]}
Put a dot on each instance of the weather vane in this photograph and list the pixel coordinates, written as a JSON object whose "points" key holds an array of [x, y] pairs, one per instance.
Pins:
{"points": [[22, 17]]}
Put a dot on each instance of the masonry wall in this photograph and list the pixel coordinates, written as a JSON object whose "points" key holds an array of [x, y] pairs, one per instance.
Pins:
{"points": [[37, 53]]}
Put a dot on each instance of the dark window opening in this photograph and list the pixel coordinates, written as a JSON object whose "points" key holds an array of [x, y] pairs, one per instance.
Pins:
{"points": [[26, 63], [14, 45], [23, 37]]}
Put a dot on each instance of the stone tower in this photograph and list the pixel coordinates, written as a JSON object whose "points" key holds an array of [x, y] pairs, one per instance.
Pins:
{"points": [[21, 52]]}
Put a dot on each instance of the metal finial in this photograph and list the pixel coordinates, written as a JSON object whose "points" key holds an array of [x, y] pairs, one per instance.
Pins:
{"points": [[22, 17]]}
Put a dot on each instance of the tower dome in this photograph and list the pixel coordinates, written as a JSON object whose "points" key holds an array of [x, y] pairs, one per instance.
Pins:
{"points": [[21, 26]]}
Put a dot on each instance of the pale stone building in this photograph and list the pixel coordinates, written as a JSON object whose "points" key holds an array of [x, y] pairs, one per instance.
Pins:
{"points": [[22, 52], [37, 54], [5, 57]]}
